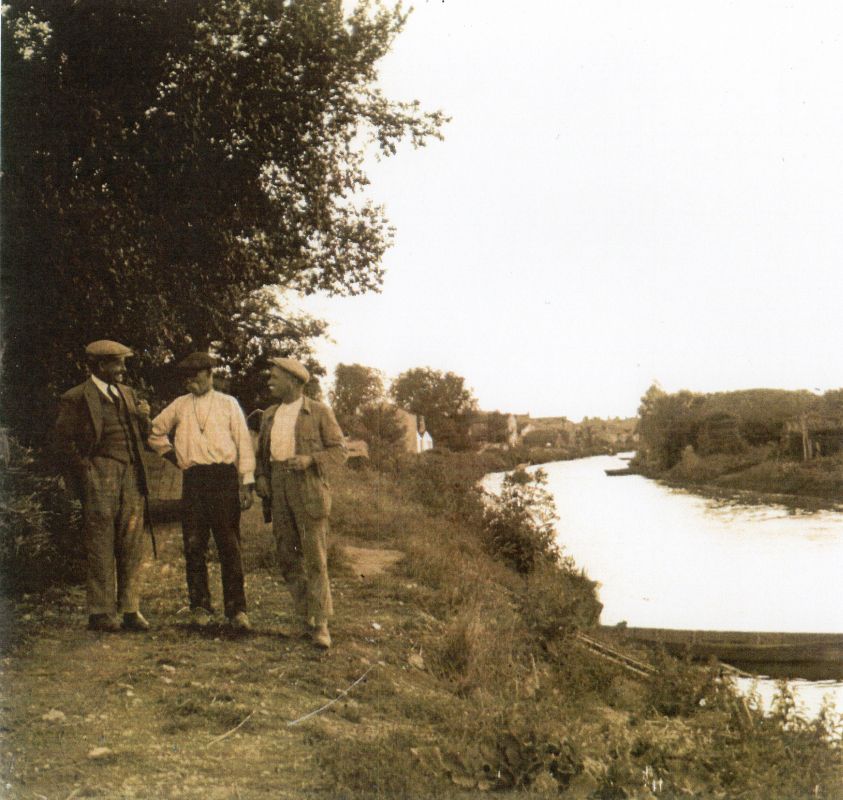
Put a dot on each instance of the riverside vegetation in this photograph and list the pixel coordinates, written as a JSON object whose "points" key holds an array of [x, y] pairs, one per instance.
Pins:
{"points": [[760, 442], [457, 633]]}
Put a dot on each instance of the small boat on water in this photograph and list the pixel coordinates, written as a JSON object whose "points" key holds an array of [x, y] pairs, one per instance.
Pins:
{"points": [[814, 656], [613, 473]]}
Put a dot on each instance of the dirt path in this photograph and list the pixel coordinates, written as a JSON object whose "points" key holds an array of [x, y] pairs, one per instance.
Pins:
{"points": [[183, 713], [370, 562]]}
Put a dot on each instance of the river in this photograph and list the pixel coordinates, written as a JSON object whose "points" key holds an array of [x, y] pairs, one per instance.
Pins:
{"points": [[667, 558]]}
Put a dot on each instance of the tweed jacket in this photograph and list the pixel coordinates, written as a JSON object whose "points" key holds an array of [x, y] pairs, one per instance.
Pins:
{"points": [[317, 435], [79, 428]]}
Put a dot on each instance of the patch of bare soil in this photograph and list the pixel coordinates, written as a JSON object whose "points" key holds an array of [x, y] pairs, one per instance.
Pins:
{"points": [[368, 562], [187, 713]]}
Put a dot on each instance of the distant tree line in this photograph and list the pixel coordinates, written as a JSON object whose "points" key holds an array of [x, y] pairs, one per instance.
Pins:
{"points": [[722, 422]]}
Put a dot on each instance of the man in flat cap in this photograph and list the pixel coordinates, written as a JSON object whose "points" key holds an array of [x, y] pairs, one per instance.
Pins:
{"points": [[204, 433], [99, 436], [298, 439]]}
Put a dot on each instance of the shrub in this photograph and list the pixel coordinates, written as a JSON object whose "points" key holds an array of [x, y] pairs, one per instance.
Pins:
{"points": [[446, 483], [558, 601], [692, 468], [40, 525], [518, 524]]}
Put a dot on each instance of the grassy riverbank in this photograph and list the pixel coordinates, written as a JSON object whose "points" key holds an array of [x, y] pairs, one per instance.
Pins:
{"points": [[465, 677], [757, 474]]}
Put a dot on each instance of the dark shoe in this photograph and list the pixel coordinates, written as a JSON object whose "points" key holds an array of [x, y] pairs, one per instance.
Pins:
{"points": [[135, 621], [102, 622]]}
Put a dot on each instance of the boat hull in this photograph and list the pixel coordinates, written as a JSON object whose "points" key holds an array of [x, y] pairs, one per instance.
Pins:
{"points": [[813, 656]]}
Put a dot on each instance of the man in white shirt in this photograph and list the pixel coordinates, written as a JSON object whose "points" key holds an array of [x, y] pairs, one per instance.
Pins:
{"points": [[204, 433], [298, 441]]}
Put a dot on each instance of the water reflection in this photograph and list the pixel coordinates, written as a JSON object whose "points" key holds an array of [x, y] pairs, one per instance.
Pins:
{"points": [[809, 696]]}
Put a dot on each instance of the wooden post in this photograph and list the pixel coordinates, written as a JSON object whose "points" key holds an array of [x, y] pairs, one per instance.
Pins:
{"points": [[806, 444]]}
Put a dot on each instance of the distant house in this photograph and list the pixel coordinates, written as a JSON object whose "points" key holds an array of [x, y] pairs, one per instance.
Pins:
{"points": [[511, 430], [539, 437], [593, 433], [494, 430], [424, 441], [416, 438], [479, 431]]}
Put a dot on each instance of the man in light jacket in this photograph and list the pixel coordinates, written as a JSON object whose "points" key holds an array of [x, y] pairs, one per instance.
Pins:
{"points": [[299, 438]]}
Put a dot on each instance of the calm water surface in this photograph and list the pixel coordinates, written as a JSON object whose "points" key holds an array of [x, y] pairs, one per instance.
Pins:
{"points": [[670, 559], [665, 558]]}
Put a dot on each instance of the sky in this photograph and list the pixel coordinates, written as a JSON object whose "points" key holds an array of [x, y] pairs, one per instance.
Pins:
{"points": [[626, 192]]}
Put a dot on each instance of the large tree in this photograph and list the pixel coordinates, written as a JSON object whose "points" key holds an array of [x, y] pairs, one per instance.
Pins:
{"points": [[355, 388], [163, 161], [444, 401]]}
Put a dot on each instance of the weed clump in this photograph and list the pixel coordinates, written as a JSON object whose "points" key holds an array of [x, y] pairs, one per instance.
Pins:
{"points": [[481, 646]]}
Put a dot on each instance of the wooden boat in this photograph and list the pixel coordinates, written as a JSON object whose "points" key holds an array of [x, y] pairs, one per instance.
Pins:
{"points": [[612, 473], [814, 656]]}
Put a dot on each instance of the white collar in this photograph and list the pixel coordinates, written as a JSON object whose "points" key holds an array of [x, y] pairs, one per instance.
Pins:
{"points": [[103, 386]]}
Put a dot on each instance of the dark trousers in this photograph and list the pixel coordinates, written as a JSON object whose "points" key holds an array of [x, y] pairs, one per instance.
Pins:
{"points": [[211, 504]]}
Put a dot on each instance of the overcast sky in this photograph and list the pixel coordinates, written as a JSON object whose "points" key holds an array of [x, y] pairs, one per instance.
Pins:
{"points": [[626, 192]]}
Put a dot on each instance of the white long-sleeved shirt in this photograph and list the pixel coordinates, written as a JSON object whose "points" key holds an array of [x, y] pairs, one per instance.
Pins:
{"points": [[282, 437], [209, 429]]}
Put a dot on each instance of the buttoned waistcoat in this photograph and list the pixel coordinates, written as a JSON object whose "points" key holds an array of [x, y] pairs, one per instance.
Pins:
{"points": [[79, 429], [318, 435]]}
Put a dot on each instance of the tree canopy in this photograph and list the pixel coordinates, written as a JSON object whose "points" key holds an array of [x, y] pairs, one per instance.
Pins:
{"points": [[668, 423], [356, 387], [163, 161]]}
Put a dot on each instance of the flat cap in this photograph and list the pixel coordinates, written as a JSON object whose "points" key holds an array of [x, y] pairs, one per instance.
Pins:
{"points": [[292, 366], [105, 348], [196, 361]]}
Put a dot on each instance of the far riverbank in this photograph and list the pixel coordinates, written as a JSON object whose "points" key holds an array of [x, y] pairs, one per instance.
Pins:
{"points": [[757, 478]]}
